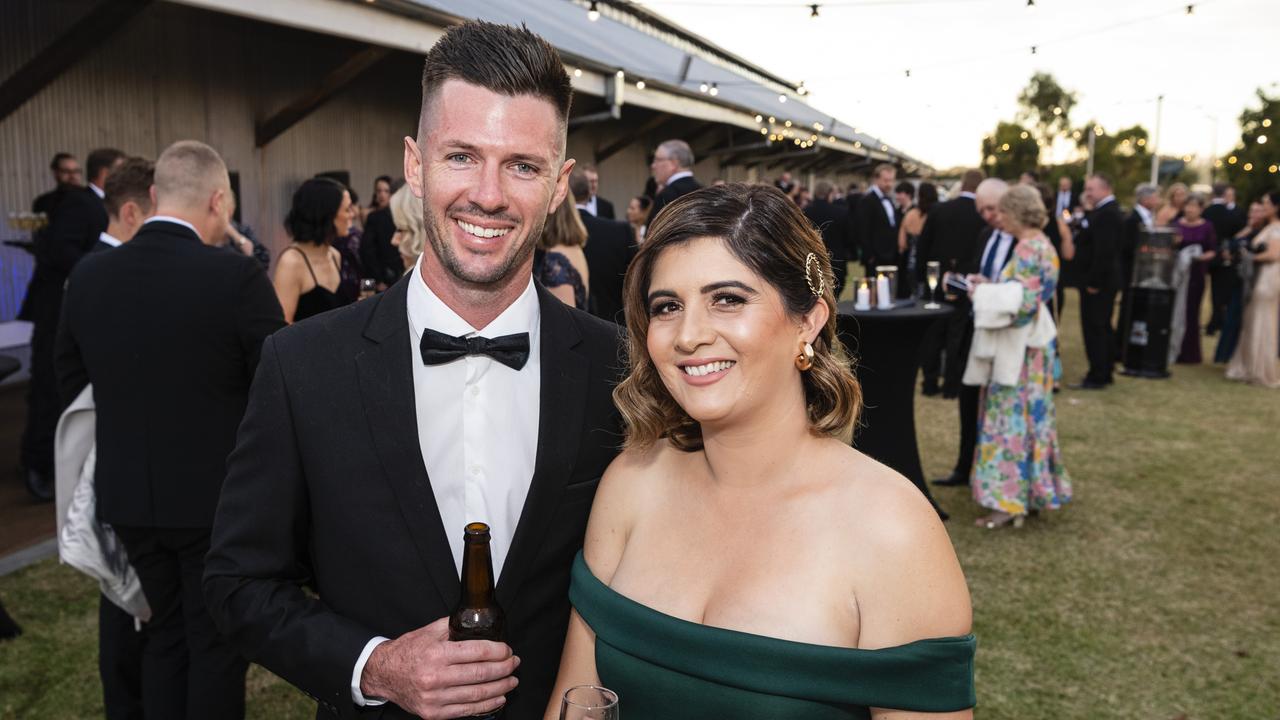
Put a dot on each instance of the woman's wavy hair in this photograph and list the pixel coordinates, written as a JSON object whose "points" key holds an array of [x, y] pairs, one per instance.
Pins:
{"points": [[764, 230], [315, 205]]}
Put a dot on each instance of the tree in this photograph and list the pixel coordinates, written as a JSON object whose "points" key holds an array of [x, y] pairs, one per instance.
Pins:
{"points": [[1046, 105], [1123, 155], [1010, 151], [1253, 167]]}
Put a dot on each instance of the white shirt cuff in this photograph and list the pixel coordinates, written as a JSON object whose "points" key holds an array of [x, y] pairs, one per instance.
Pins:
{"points": [[356, 696]]}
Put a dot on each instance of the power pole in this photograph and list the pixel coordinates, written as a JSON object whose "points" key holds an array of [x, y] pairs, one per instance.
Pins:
{"points": [[1093, 133], [1155, 151]]}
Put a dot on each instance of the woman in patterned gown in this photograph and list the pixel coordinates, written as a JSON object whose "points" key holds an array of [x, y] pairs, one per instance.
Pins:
{"points": [[1019, 468]]}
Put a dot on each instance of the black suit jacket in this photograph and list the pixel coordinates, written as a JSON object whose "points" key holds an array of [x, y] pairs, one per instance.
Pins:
{"points": [[77, 217], [950, 236], [670, 194], [610, 247], [1133, 227], [832, 221], [1098, 249], [974, 264], [604, 208], [1226, 224], [879, 238], [327, 488], [379, 258], [168, 331]]}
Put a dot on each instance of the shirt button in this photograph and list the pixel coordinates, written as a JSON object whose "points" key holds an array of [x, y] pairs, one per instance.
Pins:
{"points": [[475, 391], [475, 469]]}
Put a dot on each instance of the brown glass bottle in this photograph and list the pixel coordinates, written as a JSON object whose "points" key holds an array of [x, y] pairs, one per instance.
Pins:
{"points": [[477, 616]]}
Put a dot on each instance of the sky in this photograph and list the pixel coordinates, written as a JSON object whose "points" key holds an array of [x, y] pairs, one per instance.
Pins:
{"points": [[970, 58]]}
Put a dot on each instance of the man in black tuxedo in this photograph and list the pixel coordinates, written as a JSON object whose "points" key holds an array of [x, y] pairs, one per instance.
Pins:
{"points": [[1066, 200], [672, 169], [596, 205], [380, 259], [876, 221], [77, 220], [1223, 276], [464, 393], [994, 252], [609, 249], [1142, 217], [949, 237], [168, 328], [832, 221], [1097, 263], [66, 175], [121, 644]]}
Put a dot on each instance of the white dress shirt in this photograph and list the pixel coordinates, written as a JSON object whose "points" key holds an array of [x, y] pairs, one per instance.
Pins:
{"points": [[104, 237], [1001, 243], [590, 206], [171, 219], [1147, 218], [1063, 204], [97, 191], [676, 176], [887, 204], [477, 427]]}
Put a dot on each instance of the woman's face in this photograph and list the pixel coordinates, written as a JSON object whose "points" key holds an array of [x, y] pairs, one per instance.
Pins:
{"points": [[1268, 208], [1177, 197], [1191, 210], [381, 194], [635, 215], [342, 221], [1007, 222], [1257, 214], [719, 336]]}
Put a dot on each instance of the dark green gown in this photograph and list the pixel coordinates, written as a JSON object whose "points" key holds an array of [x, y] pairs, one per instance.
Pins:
{"points": [[665, 668]]}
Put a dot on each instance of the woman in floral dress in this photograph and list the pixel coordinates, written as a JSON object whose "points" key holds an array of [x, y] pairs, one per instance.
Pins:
{"points": [[1018, 468]]}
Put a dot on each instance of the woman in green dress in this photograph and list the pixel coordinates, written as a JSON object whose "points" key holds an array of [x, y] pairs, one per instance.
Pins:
{"points": [[741, 560]]}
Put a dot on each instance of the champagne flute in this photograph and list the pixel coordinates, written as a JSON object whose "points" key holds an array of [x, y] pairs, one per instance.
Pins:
{"points": [[933, 271], [589, 702]]}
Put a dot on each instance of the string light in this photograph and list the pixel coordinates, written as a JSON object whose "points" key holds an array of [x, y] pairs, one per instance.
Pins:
{"points": [[908, 72], [1266, 122], [813, 11], [782, 98], [772, 120], [1191, 9], [714, 90], [621, 75], [1057, 110], [787, 123], [1031, 3], [593, 13], [832, 138], [764, 131], [1272, 169], [1033, 49], [577, 72], [1142, 142], [1262, 139], [704, 87], [1005, 147], [639, 84], [1231, 160], [1023, 135], [1248, 167], [761, 119]]}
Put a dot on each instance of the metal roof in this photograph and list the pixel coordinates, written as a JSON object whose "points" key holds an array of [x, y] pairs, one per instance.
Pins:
{"points": [[624, 40]]}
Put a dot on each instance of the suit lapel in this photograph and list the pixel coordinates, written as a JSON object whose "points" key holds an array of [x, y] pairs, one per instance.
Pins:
{"points": [[561, 412], [386, 388]]}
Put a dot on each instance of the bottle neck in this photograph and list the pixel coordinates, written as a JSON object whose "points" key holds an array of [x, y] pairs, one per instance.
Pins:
{"points": [[477, 574]]}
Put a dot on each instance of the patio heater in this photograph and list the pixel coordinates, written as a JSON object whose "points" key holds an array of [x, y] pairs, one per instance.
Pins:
{"points": [[1145, 330]]}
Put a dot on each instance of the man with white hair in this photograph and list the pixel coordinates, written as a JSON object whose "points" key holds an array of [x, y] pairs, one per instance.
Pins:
{"points": [[672, 169], [1097, 262], [996, 252], [1146, 200], [169, 327]]}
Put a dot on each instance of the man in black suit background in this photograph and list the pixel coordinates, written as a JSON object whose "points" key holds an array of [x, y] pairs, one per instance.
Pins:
{"points": [[380, 259], [464, 393], [832, 220], [77, 220], [1066, 200], [950, 238], [609, 249], [66, 175], [168, 329], [120, 642], [1223, 276], [672, 169], [596, 205], [994, 250], [876, 221], [1097, 263], [1141, 217]]}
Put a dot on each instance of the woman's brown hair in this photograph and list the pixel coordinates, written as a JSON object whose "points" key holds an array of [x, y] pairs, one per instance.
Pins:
{"points": [[765, 231], [564, 227]]}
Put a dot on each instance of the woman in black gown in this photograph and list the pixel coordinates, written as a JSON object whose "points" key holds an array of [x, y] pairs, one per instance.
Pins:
{"points": [[309, 270]]}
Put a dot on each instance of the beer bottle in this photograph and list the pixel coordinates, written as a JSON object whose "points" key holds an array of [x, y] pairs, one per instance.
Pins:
{"points": [[477, 616]]}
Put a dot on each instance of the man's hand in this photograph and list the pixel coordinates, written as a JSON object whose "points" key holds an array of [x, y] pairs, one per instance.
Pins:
{"points": [[430, 676]]}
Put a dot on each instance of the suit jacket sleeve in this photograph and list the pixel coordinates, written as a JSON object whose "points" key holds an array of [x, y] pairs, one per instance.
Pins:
{"points": [[258, 316], [259, 554], [863, 230], [659, 202], [68, 365]]}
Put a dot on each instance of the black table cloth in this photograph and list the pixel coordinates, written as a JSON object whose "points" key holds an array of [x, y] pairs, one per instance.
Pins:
{"points": [[885, 345]]}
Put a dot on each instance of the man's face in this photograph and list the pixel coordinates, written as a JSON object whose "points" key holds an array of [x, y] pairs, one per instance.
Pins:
{"points": [[593, 181], [989, 210], [662, 167], [489, 172], [1095, 191], [1064, 184], [1229, 196], [1150, 201], [68, 172], [884, 180], [904, 199]]}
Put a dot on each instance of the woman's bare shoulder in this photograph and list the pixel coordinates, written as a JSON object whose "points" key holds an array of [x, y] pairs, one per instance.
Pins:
{"points": [[631, 485]]}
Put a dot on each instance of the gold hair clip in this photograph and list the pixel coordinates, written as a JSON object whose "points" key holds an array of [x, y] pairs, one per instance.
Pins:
{"points": [[808, 277]]}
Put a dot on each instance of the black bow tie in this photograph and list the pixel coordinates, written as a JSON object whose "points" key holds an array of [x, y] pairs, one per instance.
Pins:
{"points": [[510, 350]]}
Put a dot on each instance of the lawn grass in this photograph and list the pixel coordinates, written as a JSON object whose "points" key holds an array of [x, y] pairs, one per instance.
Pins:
{"points": [[1154, 595]]}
